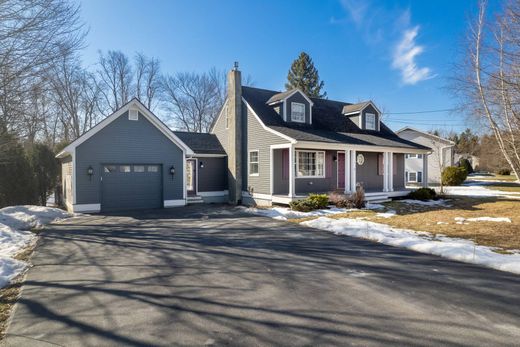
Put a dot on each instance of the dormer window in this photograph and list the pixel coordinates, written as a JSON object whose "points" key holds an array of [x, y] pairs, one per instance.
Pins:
{"points": [[297, 112], [370, 121]]}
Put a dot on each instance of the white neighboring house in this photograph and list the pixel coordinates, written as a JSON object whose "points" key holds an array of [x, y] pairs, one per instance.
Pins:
{"points": [[442, 156]]}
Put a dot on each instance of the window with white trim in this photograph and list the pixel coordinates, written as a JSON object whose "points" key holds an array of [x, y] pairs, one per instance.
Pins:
{"points": [[370, 121], [253, 163], [310, 164], [297, 112], [414, 177]]}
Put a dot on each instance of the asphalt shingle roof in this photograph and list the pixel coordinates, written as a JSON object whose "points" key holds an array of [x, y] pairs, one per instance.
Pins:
{"points": [[329, 124], [201, 143], [355, 107]]}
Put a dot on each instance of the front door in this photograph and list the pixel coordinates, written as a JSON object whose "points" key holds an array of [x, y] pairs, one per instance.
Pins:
{"points": [[341, 170], [191, 176]]}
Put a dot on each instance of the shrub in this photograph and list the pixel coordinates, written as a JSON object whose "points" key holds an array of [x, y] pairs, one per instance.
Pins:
{"points": [[464, 163], [423, 194], [355, 200], [504, 171], [358, 198], [313, 202], [454, 176]]}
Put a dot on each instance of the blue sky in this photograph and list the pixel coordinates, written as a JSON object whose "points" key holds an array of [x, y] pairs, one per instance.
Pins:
{"points": [[399, 54]]}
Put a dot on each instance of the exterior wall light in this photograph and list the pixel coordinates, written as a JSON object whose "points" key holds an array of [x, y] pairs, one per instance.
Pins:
{"points": [[90, 172], [172, 171], [201, 164]]}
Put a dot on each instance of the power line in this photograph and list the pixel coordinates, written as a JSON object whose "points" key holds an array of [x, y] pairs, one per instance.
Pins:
{"points": [[429, 111]]}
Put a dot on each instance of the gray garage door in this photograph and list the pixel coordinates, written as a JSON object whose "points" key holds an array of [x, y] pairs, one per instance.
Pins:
{"points": [[131, 187]]}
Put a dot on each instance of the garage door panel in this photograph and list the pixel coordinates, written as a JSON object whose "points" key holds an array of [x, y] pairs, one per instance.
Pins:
{"points": [[131, 186]]}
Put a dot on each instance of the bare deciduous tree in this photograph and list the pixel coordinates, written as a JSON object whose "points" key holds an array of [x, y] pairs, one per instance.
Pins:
{"points": [[115, 79], [490, 84], [33, 35], [148, 80], [192, 99]]}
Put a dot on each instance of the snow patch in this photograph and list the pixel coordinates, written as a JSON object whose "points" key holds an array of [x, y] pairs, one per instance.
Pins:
{"points": [[440, 202], [284, 213], [388, 214], [451, 248], [15, 225], [477, 191], [483, 219]]}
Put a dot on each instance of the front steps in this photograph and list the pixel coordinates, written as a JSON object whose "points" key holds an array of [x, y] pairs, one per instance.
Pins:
{"points": [[194, 200], [377, 198]]}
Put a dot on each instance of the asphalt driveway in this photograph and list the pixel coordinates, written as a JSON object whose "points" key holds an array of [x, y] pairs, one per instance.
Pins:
{"points": [[207, 275]]}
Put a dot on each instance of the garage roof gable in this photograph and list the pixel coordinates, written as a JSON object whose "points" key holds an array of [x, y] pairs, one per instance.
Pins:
{"points": [[132, 104]]}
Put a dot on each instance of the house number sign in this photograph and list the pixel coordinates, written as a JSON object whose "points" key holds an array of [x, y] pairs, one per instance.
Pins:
{"points": [[360, 159]]}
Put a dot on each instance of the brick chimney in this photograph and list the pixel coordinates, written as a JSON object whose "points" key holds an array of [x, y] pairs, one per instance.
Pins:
{"points": [[234, 91]]}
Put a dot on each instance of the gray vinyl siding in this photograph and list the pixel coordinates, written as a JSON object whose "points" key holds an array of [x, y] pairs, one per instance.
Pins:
{"points": [[219, 129], [213, 176], [297, 97], [367, 174], [318, 185], [127, 142], [255, 137], [399, 182]]}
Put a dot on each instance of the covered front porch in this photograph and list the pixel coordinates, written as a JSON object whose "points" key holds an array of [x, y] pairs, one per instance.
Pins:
{"points": [[325, 168]]}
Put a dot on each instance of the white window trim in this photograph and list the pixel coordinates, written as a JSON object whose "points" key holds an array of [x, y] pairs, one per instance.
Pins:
{"points": [[416, 176], [292, 108], [297, 175], [375, 121], [249, 163]]}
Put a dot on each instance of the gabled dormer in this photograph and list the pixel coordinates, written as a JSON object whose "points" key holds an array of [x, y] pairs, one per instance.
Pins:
{"points": [[364, 114], [293, 106]]}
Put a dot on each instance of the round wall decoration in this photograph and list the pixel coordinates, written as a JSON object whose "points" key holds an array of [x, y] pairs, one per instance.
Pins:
{"points": [[360, 159]]}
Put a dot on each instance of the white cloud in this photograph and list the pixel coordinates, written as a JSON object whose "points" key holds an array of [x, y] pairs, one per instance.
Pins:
{"points": [[357, 9], [404, 57]]}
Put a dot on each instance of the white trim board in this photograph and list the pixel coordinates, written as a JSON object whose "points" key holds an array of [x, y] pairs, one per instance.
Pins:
{"points": [[86, 208], [132, 104], [441, 139], [174, 203]]}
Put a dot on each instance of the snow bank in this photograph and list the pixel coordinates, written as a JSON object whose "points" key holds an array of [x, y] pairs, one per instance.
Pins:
{"points": [[15, 225], [284, 213], [456, 249]]}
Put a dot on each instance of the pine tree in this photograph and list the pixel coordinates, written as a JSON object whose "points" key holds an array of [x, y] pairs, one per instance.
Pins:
{"points": [[304, 75]]}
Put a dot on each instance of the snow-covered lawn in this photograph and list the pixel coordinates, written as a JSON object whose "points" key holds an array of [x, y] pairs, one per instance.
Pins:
{"points": [[15, 225], [478, 189], [448, 247]]}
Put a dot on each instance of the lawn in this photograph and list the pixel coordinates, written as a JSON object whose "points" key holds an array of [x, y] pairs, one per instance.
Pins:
{"points": [[441, 219]]}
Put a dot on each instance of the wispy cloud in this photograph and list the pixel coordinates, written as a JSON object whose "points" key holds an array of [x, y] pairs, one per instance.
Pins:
{"points": [[404, 57], [391, 30]]}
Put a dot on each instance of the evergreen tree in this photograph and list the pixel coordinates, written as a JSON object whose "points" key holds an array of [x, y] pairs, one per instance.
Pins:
{"points": [[304, 75], [45, 169]]}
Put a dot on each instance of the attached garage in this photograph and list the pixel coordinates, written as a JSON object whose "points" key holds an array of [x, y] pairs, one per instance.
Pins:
{"points": [[130, 160]]}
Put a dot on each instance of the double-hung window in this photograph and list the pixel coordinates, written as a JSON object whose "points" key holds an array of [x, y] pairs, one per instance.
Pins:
{"points": [[297, 112], [253, 163], [310, 164], [370, 121]]}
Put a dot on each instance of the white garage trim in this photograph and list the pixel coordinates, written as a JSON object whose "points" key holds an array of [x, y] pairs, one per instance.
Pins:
{"points": [[86, 208], [174, 203]]}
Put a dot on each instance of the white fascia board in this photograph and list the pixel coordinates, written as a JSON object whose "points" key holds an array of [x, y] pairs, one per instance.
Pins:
{"points": [[134, 103], [285, 137], [201, 155], [295, 90], [363, 108]]}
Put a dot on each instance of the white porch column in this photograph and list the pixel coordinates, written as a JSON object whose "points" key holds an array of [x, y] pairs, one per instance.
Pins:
{"points": [[425, 171], [348, 187], [291, 171], [390, 171], [385, 171], [353, 171]]}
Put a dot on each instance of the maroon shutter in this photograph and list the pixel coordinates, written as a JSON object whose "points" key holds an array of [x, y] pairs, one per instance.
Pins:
{"points": [[328, 164], [380, 164], [285, 164]]}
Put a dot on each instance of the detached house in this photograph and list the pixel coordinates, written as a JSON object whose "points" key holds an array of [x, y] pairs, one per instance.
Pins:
{"points": [[265, 147]]}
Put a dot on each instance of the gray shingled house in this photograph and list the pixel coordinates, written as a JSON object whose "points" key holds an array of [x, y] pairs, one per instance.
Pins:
{"points": [[264, 147]]}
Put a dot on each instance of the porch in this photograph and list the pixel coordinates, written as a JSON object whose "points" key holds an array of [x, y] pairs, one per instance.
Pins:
{"points": [[323, 170]]}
